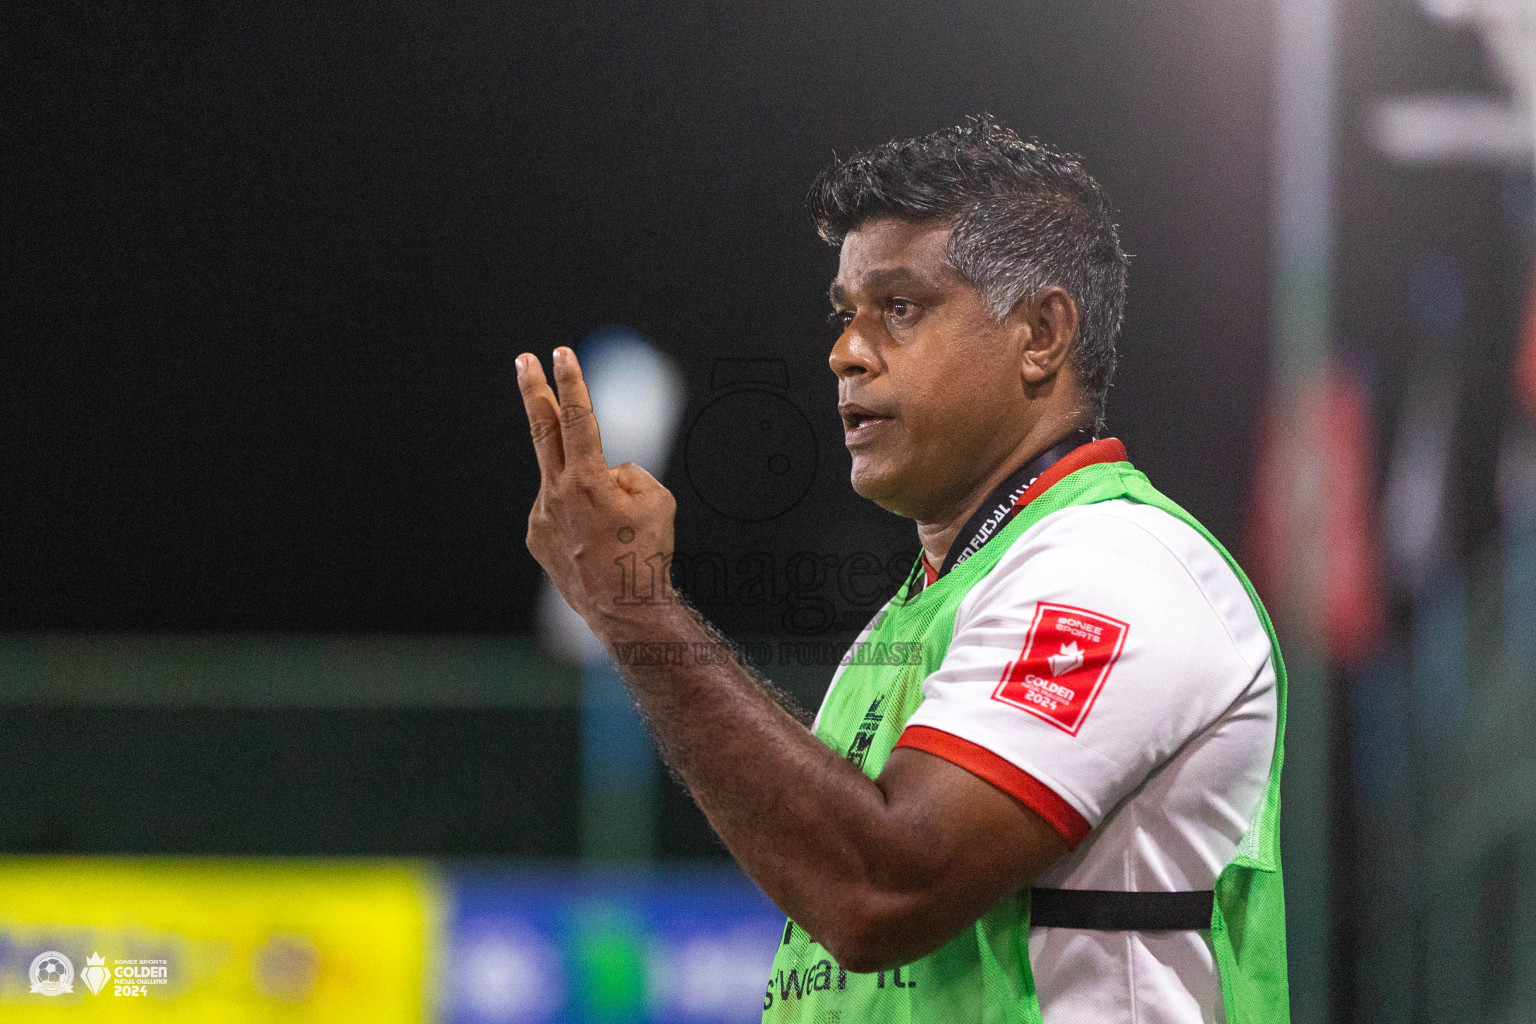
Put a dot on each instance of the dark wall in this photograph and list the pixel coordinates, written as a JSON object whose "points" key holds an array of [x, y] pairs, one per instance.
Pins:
{"points": [[266, 268]]}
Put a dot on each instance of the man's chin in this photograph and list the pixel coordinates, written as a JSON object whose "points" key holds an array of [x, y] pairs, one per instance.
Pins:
{"points": [[879, 484]]}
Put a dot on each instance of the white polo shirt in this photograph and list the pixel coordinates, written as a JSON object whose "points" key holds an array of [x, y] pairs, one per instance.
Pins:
{"points": [[1111, 673]]}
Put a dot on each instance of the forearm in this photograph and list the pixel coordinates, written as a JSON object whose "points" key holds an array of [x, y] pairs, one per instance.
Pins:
{"points": [[878, 871], [815, 832]]}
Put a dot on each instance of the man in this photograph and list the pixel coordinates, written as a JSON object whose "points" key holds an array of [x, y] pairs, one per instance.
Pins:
{"points": [[1063, 732]]}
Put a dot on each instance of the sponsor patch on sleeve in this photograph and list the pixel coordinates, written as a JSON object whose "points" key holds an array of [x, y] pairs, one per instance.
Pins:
{"points": [[1066, 658]]}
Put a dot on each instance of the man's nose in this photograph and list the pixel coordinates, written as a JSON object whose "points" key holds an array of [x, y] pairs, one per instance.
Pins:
{"points": [[854, 353]]}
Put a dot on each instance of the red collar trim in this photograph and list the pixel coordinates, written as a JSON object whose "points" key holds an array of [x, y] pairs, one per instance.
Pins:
{"points": [[1108, 450], [929, 572]]}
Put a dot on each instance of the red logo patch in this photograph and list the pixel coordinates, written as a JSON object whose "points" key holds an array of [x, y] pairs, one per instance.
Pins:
{"points": [[1065, 660]]}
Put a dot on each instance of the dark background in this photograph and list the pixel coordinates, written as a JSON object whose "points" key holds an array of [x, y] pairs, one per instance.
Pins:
{"points": [[267, 267]]}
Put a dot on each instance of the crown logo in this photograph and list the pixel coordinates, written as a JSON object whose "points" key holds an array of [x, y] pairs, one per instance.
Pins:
{"points": [[1071, 657], [95, 974]]}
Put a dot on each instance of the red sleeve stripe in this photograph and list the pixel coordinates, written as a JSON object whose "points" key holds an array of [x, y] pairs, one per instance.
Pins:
{"points": [[1014, 781]]}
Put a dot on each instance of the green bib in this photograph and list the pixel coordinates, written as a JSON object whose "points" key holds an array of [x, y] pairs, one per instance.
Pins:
{"points": [[983, 974]]}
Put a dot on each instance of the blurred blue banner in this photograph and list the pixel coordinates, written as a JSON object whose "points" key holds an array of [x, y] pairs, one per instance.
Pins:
{"points": [[546, 945]]}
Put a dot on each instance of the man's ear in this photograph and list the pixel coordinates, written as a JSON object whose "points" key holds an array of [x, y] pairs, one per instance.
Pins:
{"points": [[1049, 322]]}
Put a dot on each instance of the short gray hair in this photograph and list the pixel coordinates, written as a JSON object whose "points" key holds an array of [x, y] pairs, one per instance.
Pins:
{"points": [[1025, 217]]}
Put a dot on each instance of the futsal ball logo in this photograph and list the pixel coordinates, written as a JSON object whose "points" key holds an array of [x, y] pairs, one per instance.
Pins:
{"points": [[52, 974], [95, 974], [751, 453]]}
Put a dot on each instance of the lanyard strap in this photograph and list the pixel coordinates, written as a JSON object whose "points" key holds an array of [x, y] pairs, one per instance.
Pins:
{"points": [[1003, 503], [1000, 507]]}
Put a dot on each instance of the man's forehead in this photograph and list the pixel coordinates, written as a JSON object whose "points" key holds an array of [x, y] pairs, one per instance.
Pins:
{"points": [[889, 252]]}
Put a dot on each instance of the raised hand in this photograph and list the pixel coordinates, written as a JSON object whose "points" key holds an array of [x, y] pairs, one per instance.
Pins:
{"points": [[592, 527]]}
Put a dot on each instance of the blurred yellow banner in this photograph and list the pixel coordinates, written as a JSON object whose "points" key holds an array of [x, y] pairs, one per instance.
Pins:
{"points": [[233, 941]]}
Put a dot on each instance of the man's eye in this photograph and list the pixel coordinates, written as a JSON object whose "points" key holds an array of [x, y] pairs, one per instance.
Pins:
{"points": [[900, 309], [840, 318]]}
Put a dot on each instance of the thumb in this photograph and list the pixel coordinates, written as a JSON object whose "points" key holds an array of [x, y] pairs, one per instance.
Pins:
{"points": [[634, 480]]}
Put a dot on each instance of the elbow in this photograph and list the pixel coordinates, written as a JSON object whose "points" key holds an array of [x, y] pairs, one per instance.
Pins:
{"points": [[865, 961], [851, 951], [873, 938]]}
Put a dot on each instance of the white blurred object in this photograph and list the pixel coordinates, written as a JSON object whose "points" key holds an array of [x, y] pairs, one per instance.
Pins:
{"points": [[1439, 129], [637, 394], [707, 976], [510, 975], [1452, 129], [638, 397], [1508, 28]]}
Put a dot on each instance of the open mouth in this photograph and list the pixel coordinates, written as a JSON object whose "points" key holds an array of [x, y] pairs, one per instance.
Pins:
{"points": [[856, 420], [859, 422]]}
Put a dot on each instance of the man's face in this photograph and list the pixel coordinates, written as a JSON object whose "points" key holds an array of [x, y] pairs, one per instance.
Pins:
{"points": [[929, 384]]}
